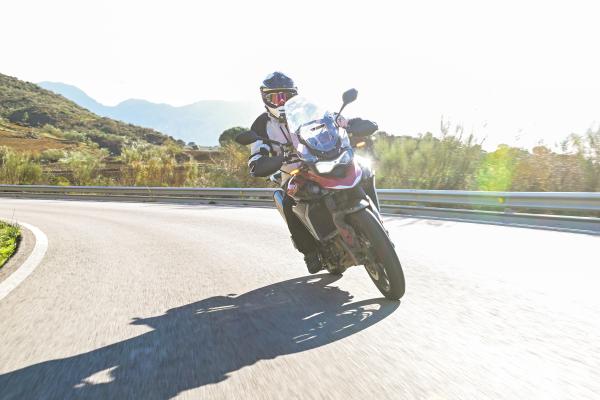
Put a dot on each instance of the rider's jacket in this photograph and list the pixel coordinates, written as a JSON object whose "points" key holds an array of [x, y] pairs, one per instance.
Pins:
{"points": [[268, 127]]}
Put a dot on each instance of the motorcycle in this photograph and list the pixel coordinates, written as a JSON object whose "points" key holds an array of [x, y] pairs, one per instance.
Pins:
{"points": [[320, 171]]}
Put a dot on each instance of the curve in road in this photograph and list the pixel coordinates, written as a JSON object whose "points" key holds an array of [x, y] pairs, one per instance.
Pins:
{"points": [[160, 300]]}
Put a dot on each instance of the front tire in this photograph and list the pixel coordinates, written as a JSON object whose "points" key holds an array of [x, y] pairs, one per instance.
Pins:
{"points": [[384, 267]]}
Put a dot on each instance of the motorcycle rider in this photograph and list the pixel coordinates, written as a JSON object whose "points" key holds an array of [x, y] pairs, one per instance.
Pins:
{"points": [[276, 90]]}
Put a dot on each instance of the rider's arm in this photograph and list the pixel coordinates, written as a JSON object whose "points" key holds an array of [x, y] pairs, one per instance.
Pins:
{"points": [[259, 150]]}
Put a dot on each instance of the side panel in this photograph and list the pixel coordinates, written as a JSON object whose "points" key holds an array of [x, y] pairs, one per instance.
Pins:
{"points": [[316, 217]]}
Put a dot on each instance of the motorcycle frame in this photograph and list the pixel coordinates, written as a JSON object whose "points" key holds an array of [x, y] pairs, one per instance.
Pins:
{"points": [[342, 195]]}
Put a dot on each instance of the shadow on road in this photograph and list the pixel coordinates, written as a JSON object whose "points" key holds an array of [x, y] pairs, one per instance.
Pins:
{"points": [[204, 342]]}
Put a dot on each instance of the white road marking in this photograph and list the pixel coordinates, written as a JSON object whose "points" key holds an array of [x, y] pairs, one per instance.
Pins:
{"points": [[34, 259]]}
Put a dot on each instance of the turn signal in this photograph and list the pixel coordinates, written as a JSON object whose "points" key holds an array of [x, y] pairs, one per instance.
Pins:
{"points": [[295, 172], [361, 144]]}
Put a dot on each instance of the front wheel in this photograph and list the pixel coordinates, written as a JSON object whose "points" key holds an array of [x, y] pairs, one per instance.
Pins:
{"points": [[383, 265]]}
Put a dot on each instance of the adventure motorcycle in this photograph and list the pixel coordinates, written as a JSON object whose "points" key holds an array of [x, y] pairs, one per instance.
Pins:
{"points": [[323, 176]]}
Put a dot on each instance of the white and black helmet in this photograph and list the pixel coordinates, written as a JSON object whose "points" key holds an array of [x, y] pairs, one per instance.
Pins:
{"points": [[276, 89]]}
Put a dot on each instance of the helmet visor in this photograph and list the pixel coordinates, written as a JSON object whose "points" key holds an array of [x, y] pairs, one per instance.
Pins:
{"points": [[277, 98]]}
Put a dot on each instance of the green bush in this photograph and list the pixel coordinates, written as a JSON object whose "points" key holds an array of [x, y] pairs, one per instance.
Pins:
{"points": [[113, 143], [148, 165], [51, 156], [75, 136], [83, 166], [9, 239], [18, 168], [230, 169], [51, 130], [426, 162]]}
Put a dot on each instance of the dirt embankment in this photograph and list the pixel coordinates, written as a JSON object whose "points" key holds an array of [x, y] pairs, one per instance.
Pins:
{"points": [[21, 138]]}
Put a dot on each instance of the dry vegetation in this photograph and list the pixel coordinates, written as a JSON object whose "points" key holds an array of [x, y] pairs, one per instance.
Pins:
{"points": [[45, 138], [425, 162], [48, 155], [456, 162]]}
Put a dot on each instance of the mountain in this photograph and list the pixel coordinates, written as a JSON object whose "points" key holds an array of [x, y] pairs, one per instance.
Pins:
{"points": [[201, 122], [29, 112], [74, 94]]}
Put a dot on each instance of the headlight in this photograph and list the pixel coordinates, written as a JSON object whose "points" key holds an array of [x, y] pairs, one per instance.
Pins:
{"points": [[325, 167]]}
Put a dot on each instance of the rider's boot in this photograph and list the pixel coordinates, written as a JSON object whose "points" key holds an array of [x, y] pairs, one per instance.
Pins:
{"points": [[313, 262]]}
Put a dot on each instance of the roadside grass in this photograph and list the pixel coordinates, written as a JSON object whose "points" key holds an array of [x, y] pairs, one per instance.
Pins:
{"points": [[9, 238]]}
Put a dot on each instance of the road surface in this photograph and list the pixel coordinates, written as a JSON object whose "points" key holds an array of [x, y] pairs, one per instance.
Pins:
{"points": [[156, 301]]}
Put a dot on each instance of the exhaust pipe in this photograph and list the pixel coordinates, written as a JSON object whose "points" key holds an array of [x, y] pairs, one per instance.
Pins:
{"points": [[278, 198]]}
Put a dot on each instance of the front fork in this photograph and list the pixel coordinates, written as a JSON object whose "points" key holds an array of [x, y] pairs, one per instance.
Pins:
{"points": [[342, 205]]}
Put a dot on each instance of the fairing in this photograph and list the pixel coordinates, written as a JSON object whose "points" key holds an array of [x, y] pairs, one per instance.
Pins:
{"points": [[352, 176]]}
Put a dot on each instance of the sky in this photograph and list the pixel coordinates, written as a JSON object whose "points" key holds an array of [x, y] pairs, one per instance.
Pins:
{"points": [[515, 72]]}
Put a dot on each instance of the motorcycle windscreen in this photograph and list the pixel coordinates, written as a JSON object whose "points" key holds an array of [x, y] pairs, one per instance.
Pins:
{"points": [[315, 126], [321, 135]]}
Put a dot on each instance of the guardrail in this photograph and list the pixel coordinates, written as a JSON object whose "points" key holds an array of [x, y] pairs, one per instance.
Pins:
{"points": [[129, 193], [509, 202], [550, 206]]}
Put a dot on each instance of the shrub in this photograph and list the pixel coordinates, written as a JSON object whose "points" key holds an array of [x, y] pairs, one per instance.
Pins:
{"points": [[51, 155], [83, 166], [192, 173], [113, 143], [51, 130], [75, 136], [230, 169], [148, 165], [426, 162], [18, 168], [9, 238]]}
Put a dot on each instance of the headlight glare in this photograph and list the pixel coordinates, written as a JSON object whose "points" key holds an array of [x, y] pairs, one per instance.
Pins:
{"points": [[325, 167]]}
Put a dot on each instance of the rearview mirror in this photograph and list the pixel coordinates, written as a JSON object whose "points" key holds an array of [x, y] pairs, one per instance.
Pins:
{"points": [[247, 138], [349, 96]]}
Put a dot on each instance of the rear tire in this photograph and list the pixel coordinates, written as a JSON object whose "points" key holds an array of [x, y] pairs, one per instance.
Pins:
{"points": [[386, 271]]}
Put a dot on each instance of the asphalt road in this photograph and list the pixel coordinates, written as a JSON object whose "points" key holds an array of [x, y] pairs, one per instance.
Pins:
{"points": [[154, 301]]}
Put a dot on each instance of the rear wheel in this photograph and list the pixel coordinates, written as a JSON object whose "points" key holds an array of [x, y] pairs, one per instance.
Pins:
{"points": [[383, 266]]}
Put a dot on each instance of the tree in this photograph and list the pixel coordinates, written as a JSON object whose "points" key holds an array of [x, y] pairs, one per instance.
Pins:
{"points": [[229, 135]]}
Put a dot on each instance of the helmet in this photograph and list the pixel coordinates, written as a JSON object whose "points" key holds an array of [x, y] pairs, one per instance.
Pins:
{"points": [[276, 89]]}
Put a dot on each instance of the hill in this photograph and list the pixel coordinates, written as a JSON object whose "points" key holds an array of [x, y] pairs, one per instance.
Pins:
{"points": [[76, 95], [46, 119], [201, 122]]}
